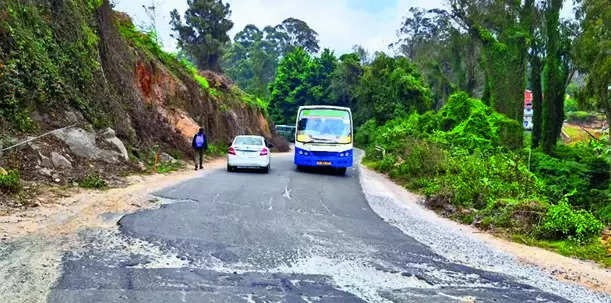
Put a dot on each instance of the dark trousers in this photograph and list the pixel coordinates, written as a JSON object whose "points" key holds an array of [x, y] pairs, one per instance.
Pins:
{"points": [[199, 155]]}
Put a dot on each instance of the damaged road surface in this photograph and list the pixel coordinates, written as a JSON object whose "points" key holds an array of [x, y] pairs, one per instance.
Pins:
{"points": [[284, 237]]}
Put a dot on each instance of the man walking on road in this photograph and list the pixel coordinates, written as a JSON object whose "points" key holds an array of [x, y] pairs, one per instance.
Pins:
{"points": [[200, 145]]}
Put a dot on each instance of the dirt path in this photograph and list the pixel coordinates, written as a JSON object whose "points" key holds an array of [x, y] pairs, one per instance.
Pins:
{"points": [[584, 273], [82, 208]]}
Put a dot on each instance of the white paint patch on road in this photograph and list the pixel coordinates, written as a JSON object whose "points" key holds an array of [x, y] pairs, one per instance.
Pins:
{"points": [[122, 248], [287, 193], [403, 210], [353, 276]]}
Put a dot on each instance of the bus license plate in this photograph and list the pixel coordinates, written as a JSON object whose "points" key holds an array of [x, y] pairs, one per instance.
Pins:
{"points": [[323, 163]]}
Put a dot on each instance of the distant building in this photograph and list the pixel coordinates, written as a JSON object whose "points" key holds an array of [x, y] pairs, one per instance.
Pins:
{"points": [[528, 110]]}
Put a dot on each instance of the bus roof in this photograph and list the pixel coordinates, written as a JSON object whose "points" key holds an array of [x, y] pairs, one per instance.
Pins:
{"points": [[324, 107]]}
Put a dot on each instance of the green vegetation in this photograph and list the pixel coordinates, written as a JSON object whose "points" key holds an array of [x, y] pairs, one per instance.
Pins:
{"points": [[458, 158], [594, 250], [164, 167], [205, 31], [93, 181], [41, 66], [386, 88], [10, 181], [217, 149], [591, 56], [252, 59]]}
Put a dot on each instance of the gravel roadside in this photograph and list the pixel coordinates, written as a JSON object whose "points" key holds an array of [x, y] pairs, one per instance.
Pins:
{"points": [[461, 244]]}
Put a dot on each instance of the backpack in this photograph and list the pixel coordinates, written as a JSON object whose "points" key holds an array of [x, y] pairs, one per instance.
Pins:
{"points": [[200, 140]]}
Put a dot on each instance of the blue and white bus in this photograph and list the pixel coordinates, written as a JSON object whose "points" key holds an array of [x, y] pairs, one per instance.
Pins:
{"points": [[324, 137]]}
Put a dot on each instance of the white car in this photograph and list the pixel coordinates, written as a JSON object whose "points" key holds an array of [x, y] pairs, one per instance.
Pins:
{"points": [[248, 152]]}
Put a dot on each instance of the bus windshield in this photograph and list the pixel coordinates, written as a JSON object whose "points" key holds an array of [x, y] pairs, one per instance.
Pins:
{"points": [[324, 126]]}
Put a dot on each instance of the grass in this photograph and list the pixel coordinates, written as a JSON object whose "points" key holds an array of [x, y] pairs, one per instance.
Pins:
{"points": [[165, 167], [93, 181], [595, 250], [10, 181], [168, 167]]}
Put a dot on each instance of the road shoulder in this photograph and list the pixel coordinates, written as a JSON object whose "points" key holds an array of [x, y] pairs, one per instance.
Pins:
{"points": [[84, 208], [382, 192]]}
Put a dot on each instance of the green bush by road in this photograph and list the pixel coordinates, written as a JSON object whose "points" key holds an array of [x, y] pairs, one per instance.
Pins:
{"points": [[457, 159]]}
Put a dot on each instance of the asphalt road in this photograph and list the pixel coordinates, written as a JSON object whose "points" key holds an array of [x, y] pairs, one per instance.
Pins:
{"points": [[287, 236]]}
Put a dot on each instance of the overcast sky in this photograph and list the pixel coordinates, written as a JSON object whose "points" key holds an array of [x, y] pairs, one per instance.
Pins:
{"points": [[339, 23]]}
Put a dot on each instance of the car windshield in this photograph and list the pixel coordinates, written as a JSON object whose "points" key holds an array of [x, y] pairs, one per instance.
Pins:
{"points": [[248, 141], [330, 126]]}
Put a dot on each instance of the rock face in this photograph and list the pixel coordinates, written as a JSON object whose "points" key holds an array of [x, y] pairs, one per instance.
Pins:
{"points": [[83, 144], [60, 161]]}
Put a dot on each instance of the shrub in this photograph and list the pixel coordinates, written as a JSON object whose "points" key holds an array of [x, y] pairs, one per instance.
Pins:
{"points": [[580, 117], [10, 181], [365, 134], [562, 222], [93, 181], [570, 105]]}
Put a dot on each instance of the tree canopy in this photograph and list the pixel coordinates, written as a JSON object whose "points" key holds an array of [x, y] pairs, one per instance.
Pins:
{"points": [[204, 32], [252, 59]]}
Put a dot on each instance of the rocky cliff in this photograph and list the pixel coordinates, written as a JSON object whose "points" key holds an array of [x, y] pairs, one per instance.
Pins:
{"points": [[81, 64]]}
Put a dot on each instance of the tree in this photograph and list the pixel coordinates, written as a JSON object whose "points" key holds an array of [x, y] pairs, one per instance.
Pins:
{"points": [[391, 87], [536, 61], [288, 91], [503, 29], [205, 31], [556, 74], [299, 35], [345, 81], [592, 52], [362, 53], [252, 61], [446, 56], [318, 78]]}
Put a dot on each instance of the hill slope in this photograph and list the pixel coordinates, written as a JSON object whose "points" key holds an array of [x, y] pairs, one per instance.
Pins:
{"points": [[81, 64]]}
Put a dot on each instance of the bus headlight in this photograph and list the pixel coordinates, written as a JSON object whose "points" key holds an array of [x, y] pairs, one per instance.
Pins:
{"points": [[344, 140]]}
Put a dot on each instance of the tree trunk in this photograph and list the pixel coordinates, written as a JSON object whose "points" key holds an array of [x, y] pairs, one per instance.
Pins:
{"points": [[537, 93], [555, 76]]}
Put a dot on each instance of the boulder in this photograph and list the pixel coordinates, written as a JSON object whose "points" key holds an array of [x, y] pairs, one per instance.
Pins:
{"points": [[60, 161], [110, 137], [83, 144], [164, 158]]}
